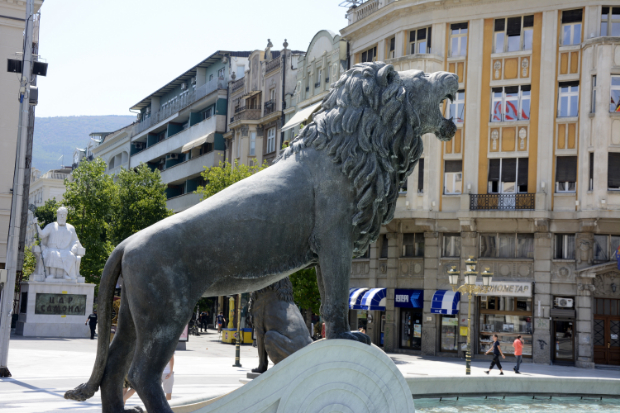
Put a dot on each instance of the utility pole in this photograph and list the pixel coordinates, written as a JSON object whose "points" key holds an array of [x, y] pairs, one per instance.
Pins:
{"points": [[16, 225]]}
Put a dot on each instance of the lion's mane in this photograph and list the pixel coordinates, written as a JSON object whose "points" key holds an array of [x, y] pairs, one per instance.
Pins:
{"points": [[368, 126]]}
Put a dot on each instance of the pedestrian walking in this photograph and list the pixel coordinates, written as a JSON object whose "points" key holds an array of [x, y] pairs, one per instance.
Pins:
{"points": [[92, 322], [220, 322], [518, 345], [167, 378], [497, 351], [203, 321]]}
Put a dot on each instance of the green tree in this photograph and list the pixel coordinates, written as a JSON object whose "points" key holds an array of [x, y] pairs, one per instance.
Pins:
{"points": [[30, 261], [46, 213], [141, 202], [306, 290], [90, 198], [224, 175]]}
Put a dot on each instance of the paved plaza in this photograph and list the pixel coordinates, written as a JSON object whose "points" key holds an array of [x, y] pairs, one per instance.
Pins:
{"points": [[44, 368]]}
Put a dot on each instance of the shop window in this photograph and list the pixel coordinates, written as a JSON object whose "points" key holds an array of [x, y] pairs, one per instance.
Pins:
{"points": [[507, 175], [453, 177], [413, 245], [610, 21], [420, 41], [411, 329], [593, 98], [571, 27], [458, 39], [614, 105], [369, 55], [514, 34], [507, 245], [510, 103], [421, 176], [606, 247], [508, 317], [449, 333], [455, 109], [565, 174], [271, 140], [568, 100], [564, 247], [391, 48], [384, 246], [451, 246]]}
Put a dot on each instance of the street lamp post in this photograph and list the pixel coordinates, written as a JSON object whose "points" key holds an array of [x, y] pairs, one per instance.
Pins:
{"points": [[238, 339], [470, 287]]}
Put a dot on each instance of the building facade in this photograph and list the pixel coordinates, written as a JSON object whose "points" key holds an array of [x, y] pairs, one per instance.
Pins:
{"points": [[256, 105], [529, 186], [113, 148], [12, 24], [180, 127]]}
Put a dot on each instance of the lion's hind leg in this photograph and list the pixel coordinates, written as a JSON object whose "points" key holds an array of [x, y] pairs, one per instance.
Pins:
{"points": [[280, 347]]}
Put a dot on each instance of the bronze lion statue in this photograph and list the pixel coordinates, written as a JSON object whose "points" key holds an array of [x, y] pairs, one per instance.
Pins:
{"points": [[280, 327], [320, 204]]}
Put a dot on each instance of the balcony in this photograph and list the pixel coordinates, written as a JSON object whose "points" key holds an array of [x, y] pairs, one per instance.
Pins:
{"points": [[238, 84], [247, 113], [363, 10], [272, 65], [182, 202], [179, 103], [502, 202], [192, 167], [270, 107]]}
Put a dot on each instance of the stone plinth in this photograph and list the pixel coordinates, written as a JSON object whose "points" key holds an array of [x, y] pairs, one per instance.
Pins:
{"points": [[55, 309]]}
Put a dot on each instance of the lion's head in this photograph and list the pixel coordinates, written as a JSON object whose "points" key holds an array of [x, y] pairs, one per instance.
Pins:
{"points": [[371, 123]]}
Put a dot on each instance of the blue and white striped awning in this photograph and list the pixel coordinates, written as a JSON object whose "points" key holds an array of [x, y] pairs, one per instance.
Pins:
{"points": [[445, 302], [374, 299], [355, 298]]}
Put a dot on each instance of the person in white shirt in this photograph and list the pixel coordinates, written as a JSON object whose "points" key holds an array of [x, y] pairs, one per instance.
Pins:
{"points": [[167, 378]]}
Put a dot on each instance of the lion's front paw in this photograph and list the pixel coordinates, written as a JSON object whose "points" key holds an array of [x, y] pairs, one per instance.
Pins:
{"points": [[80, 393], [259, 369], [353, 335]]}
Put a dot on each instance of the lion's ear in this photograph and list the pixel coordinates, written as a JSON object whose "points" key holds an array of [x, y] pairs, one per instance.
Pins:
{"points": [[386, 74]]}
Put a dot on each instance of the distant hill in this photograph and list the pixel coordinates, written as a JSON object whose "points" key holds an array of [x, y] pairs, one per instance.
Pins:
{"points": [[60, 135]]}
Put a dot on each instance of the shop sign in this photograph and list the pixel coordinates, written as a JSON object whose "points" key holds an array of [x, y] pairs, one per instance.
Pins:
{"points": [[509, 288], [408, 298]]}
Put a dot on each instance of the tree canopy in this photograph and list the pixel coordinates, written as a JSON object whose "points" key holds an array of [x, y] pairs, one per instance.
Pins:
{"points": [[224, 175]]}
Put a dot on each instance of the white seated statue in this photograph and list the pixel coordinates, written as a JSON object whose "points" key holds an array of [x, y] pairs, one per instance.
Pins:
{"points": [[60, 251]]}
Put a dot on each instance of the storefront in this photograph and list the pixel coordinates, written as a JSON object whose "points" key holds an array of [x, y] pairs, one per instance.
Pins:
{"points": [[507, 311], [373, 309], [446, 303], [563, 333], [357, 317], [411, 304]]}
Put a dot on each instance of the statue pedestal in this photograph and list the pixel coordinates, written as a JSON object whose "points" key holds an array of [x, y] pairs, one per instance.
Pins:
{"points": [[55, 309]]}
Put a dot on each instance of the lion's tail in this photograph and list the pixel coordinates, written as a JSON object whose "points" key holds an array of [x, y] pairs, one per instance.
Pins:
{"points": [[110, 275]]}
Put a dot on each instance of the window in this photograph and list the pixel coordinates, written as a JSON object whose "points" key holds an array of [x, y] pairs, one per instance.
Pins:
{"points": [[453, 177], [610, 22], [614, 105], [384, 246], [571, 27], [613, 171], [507, 176], [369, 55], [507, 317], [456, 108], [271, 140], [421, 38], [206, 114], [413, 245], [391, 48], [565, 173], [451, 246], [449, 333], [511, 103], [238, 145], [220, 73], [458, 39], [319, 73], [591, 172], [421, 176], [240, 71], [564, 247], [593, 103], [507, 245], [514, 34], [252, 143], [568, 100]]}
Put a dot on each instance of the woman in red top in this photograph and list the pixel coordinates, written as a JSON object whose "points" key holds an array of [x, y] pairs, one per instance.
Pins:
{"points": [[518, 345]]}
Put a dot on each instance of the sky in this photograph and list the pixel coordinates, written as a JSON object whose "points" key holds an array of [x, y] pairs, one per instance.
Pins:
{"points": [[105, 56]]}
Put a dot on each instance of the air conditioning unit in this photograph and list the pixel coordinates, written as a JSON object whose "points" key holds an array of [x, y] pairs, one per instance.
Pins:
{"points": [[183, 86], [139, 145], [564, 302], [172, 156], [148, 110], [162, 161]]}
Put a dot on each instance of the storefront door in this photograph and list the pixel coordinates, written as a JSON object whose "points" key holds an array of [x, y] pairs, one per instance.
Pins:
{"points": [[411, 329], [607, 331], [563, 341]]}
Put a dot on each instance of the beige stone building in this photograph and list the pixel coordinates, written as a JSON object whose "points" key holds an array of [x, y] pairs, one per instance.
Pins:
{"points": [[529, 186], [12, 24]]}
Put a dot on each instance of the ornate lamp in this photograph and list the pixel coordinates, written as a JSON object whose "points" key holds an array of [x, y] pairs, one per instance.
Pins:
{"points": [[487, 277], [453, 277], [471, 274]]}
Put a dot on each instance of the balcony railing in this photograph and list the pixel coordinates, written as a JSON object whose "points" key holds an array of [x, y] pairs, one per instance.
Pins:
{"points": [[363, 10], [270, 107], [179, 103], [502, 202], [248, 114], [238, 84], [272, 64]]}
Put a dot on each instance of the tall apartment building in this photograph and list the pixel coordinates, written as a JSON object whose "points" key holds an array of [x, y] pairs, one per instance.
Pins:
{"points": [[256, 102], [529, 186], [181, 125], [12, 25]]}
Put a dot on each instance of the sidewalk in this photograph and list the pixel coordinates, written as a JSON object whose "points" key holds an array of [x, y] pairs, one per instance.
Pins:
{"points": [[44, 368]]}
